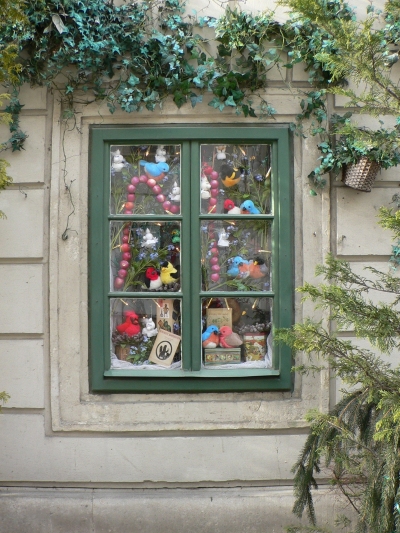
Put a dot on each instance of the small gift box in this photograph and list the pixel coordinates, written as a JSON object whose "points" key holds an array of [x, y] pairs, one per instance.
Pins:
{"points": [[221, 356], [255, 346]]}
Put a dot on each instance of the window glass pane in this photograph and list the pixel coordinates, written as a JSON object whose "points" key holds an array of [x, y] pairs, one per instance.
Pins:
{"points": [[236, 332], [235, 179], [145, 179], [236, 255], [145, 333], [145, 256]]}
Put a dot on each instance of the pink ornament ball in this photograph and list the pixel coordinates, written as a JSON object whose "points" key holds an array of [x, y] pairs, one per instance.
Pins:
{"points": [[122, 273], [174, 209], [125, 248], [131, 189], [216, 268], [125, 238], [143, 178], [151, 182], [214, 251], [126, 230], [160, 198], [212, 201], [208, 171], [214, 277], [214, 193], [157, 189], [128, 211], [214, 175], [119, 283], [135, 180], [130, 197], [167, 205], [214, 260], [124, 265], [126, 256], [214, 184]]}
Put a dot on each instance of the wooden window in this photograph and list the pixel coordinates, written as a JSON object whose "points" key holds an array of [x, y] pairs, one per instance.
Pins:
{"points": [[190, 258]]}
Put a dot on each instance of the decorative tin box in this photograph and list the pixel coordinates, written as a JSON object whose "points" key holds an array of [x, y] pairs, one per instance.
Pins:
{"points": [[255, 346], [221, 356]]}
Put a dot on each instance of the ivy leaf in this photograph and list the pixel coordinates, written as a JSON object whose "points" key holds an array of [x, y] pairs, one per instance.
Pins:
{"points": [[195, 99], [230, 101]]}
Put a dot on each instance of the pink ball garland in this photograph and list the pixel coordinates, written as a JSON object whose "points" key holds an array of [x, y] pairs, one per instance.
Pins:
{"points": [[168, 207], [213, 175]]}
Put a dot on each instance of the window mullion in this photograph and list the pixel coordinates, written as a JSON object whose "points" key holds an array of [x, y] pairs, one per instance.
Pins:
{"points": [[187, 274], [195, 310]]}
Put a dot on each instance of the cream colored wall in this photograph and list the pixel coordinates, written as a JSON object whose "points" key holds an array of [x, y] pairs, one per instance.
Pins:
{"points": [[54, 432]]}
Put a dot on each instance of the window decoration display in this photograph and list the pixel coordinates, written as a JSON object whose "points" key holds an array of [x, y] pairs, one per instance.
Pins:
{"points": [[195, 274]]}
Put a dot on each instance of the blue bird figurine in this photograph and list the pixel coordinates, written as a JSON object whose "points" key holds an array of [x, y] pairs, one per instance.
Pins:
{"points": [[236, 267], [155, 170], [210, 338], [248, 208]]}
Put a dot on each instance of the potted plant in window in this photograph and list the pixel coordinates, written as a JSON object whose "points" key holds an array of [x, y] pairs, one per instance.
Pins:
{"points": [[359, 153]]}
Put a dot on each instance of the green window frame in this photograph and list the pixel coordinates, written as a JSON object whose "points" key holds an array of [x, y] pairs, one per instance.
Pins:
{"points": [[192, 377]]}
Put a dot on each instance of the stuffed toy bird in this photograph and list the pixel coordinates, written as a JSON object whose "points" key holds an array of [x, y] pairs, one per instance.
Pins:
{"points": [[228, 339], [248, 208], [131, 325], [230, 176], [230, 208], [257, 268], [210, 338], [169, 273], [155, 170], [153, 280], [239, 267]]}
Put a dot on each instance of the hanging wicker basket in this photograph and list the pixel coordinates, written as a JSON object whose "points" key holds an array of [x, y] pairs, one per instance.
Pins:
{"points": [[361, 175]]}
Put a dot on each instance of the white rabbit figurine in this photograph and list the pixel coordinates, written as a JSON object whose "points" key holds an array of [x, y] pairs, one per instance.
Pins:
{"points": [[149, 329], [118, 161], [148, 240], [175, 194], [221, 152], [161, 154], [205, 188], [223, 241]]}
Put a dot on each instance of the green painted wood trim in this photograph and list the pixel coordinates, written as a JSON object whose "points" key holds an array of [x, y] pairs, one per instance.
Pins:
{"points": [[198, 379]]}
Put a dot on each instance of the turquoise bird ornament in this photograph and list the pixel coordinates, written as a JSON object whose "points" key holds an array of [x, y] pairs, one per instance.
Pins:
{"points": [[237, 267], [155, 170], [210, 338], [248, 208]]}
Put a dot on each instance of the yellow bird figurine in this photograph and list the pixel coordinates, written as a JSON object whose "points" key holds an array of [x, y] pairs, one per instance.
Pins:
{"points": [[168, 273]]}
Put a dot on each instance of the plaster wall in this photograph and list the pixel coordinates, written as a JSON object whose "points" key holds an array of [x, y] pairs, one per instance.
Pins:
{"points": [[74, 461]]}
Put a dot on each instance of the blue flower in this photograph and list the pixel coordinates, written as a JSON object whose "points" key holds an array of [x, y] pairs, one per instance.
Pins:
{"points": [[145, 338], [221, 192], [204, 228], [176, 327], [171, 247], [141, 256], [139, 231], [154, 256], [165, 178], [258, 177]]}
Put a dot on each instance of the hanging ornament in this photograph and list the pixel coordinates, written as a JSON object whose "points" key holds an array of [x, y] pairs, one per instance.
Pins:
{"points": [[118, 161]]}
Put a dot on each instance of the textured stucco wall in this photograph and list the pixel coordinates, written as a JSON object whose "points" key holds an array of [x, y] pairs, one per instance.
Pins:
{"points": [[171, 462]]}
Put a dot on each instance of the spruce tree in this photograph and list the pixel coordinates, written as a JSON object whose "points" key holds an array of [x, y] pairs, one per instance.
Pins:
{"points": [[358, 441]]}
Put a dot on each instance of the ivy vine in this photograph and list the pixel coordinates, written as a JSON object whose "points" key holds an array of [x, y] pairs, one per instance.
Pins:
{"points": [[137, 55]]}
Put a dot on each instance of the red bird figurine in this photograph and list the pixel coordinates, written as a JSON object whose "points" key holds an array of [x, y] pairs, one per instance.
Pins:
{"points": [[230, 208], [153, 280], [131, 325]]}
